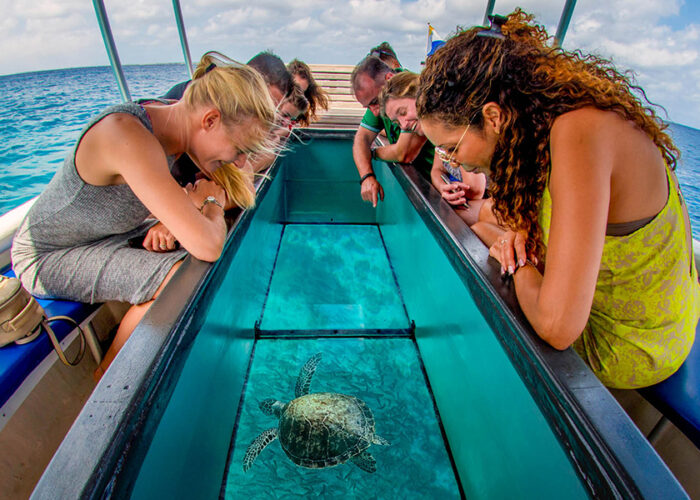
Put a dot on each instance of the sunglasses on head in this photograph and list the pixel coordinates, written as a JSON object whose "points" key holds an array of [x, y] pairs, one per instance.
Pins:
{"points": [[378, 53]]}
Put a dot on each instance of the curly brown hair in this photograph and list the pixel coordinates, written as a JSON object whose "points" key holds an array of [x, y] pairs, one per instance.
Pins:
{"points": [[533, 83], [317, 97]]}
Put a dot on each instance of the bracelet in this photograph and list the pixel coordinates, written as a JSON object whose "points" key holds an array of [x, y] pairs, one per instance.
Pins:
{"points": [[364, 177], [211, 199]]}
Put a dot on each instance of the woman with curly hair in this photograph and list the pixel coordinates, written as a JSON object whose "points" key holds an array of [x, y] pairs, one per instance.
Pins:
{"points": [[582, 175], [317, 97]]}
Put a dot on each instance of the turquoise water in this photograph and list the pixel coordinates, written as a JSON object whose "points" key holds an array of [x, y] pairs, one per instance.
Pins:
{"points": [[386, 374], [42, 113], [333, 277], [502, 445]]}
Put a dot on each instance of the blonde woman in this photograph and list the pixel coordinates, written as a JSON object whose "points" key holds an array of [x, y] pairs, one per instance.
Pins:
{"points": [[73, 243]]}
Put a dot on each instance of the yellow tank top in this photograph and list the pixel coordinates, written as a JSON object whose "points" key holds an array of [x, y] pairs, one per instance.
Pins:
{"points": [[646, 302]]}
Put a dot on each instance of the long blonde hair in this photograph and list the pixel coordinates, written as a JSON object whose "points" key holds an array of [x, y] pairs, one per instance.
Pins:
{"points": [[239, 93]]}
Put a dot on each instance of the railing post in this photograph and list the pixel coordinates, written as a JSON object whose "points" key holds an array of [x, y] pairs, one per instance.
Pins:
{"points": [[111, 48], [183, 36], [489, 11], [564, 22]]}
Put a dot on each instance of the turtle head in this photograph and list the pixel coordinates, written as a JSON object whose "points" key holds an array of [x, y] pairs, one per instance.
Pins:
{"points": [[271, 407]]}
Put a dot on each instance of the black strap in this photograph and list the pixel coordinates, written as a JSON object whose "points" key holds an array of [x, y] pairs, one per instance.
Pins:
{"points": [[364, 177]]}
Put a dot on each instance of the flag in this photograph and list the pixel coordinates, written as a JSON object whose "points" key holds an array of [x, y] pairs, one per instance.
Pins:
{"points": [[435, 41]]}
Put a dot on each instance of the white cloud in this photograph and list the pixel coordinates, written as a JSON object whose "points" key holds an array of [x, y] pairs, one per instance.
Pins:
{"points": [[636, 35]]}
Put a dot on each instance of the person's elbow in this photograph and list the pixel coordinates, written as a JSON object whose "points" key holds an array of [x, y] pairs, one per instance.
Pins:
{"points": [[559, 332], [406, 156], [208, 250]]}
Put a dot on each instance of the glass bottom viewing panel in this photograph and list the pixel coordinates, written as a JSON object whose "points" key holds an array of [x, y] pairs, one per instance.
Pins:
{"points": [[332, 276], [386, 375]]}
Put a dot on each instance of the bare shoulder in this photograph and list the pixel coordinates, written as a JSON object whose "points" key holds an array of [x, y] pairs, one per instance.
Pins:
{"points": [[122, 129], [115, 144], [587, 123]]}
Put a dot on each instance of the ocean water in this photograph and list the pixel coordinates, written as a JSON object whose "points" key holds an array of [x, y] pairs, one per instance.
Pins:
{"points": [[330, 277], [386, 374], [42, 113], [353, 288]]}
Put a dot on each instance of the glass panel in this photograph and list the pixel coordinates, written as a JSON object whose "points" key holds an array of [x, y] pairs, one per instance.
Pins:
{"points": [[386, 377], [332, 277]]}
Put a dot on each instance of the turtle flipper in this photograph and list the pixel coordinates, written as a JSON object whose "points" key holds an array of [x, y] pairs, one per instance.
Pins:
{"points": [[307, 371], [365, 461], [258, 445], [377, 439]]}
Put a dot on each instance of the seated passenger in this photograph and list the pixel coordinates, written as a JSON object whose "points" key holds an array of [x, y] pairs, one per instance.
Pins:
{"points": [[317, 97], [74, 242], [583, 176], [279, 84], [386, 53], [278, 79], [367, 80], [287, 116], [463, 190]]}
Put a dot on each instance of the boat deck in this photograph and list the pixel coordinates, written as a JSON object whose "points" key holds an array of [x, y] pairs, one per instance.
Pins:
{"points": [[344, 112]]}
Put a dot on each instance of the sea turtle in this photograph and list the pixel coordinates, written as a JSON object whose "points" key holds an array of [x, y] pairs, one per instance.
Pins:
{"points": [[319, 430]]}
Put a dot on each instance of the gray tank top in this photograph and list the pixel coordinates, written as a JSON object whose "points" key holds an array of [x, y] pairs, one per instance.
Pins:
{"points": [[71, 212]]}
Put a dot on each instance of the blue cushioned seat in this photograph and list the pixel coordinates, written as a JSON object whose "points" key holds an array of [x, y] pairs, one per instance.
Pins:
{"points": [[678, 397], [18, 361]]}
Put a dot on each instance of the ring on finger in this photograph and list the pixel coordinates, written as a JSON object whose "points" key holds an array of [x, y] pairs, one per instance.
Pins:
{"points": [[163, 246]]}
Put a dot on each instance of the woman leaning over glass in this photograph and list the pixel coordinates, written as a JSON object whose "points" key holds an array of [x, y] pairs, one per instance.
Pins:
{"points": [[599, 241]]}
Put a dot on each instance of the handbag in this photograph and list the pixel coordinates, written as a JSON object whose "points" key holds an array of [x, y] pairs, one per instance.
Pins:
{"points": [[22, 319]]}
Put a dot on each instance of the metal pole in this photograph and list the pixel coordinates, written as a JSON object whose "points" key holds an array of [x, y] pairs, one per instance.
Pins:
{"points": [[489, 11], [183, 36], [111, 48], [564, 22]]}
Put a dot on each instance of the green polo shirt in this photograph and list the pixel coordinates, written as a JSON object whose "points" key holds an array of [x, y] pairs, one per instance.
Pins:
{"points": [[423, 162]]}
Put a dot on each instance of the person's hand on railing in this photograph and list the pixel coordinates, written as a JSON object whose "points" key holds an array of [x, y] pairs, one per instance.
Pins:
{"points": [[510, 250]]}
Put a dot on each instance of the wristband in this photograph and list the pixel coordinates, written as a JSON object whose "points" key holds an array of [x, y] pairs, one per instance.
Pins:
{"points": [[211, 199], [364, 177]]}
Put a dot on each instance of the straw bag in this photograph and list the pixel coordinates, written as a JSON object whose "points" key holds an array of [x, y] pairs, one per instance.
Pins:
{"points": [[22, 318]]}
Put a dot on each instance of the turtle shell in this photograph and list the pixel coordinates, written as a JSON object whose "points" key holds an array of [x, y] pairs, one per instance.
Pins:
{"points": [[325, 429]]}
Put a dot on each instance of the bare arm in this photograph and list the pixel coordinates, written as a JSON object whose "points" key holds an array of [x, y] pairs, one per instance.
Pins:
{"points": [[361, 150], [405, 150], [120, 150], [436, 173], [370, 189], [558, 303]]}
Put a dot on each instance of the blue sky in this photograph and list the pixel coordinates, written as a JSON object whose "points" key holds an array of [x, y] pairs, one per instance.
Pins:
{"points": [[659, 40]]}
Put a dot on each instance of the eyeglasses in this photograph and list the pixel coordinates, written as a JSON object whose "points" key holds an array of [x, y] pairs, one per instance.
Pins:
{"points": [[448, 158]]}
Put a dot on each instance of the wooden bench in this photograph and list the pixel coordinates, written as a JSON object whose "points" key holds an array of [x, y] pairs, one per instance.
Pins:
{"points": [[678, 397], [344, 112]]}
